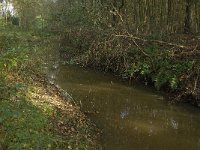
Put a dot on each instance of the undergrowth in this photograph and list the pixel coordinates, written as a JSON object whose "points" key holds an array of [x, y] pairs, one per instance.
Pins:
{"points": [[159, 67], [134, 58]]}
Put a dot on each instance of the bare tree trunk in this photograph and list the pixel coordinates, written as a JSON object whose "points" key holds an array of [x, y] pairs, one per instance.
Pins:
{"points": [[187, 23]]}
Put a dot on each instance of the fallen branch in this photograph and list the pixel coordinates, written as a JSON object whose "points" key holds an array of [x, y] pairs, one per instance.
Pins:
{"points": [[156, 41]]}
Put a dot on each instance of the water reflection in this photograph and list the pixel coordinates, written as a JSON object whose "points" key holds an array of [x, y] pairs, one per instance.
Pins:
{"points": [[125, 113], [131, 118], [174, 123]]}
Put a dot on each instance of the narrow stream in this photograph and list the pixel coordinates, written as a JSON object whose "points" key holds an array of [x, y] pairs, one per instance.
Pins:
{"points": [[131, 117]]}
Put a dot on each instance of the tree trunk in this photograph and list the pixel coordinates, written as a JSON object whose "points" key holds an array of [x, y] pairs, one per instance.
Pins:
{"points": [[187, 23]]}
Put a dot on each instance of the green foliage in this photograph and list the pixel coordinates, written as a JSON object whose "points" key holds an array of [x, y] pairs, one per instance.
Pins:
{"points": [[12, 59], [69, 16], [8, 40], [40, 23], [169, 72], [138, 68], [12, 56], [14, 52], [15, 21], [158, 66]]}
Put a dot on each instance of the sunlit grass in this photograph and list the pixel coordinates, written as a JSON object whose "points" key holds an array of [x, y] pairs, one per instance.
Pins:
{"points": [[29, 112], [26, 126], [24, 123]]}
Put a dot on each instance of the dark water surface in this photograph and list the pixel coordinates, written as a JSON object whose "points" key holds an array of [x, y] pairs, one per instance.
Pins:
{"points": [[131, 117]]}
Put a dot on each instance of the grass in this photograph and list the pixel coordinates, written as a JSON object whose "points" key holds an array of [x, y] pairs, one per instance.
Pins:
{"points": [[26, 126], [33, 115]]}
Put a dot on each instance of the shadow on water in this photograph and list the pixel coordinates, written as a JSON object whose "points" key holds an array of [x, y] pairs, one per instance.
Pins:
{"points": [[131, 117]]}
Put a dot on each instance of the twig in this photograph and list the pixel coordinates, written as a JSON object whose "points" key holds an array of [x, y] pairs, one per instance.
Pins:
{"points": [[196, 81], [134, 41], [117, 12]]}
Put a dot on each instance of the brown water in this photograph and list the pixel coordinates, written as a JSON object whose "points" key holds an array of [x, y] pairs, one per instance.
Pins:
{"points": [[131, 117]]}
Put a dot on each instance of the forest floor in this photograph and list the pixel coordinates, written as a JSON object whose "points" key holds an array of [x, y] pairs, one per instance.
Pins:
{"points": [[34, 114]]}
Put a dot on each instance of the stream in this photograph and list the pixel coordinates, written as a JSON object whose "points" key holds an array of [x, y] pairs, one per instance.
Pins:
{"points": [[131, 117]]}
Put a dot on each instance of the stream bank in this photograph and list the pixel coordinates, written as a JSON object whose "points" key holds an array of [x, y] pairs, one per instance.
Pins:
{"points": [[35, 114], [131, 117], [168, 63]]}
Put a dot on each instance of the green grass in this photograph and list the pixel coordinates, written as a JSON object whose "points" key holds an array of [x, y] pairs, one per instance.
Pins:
{"points": [[26, 122], [26, 126], [23, 125]]}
